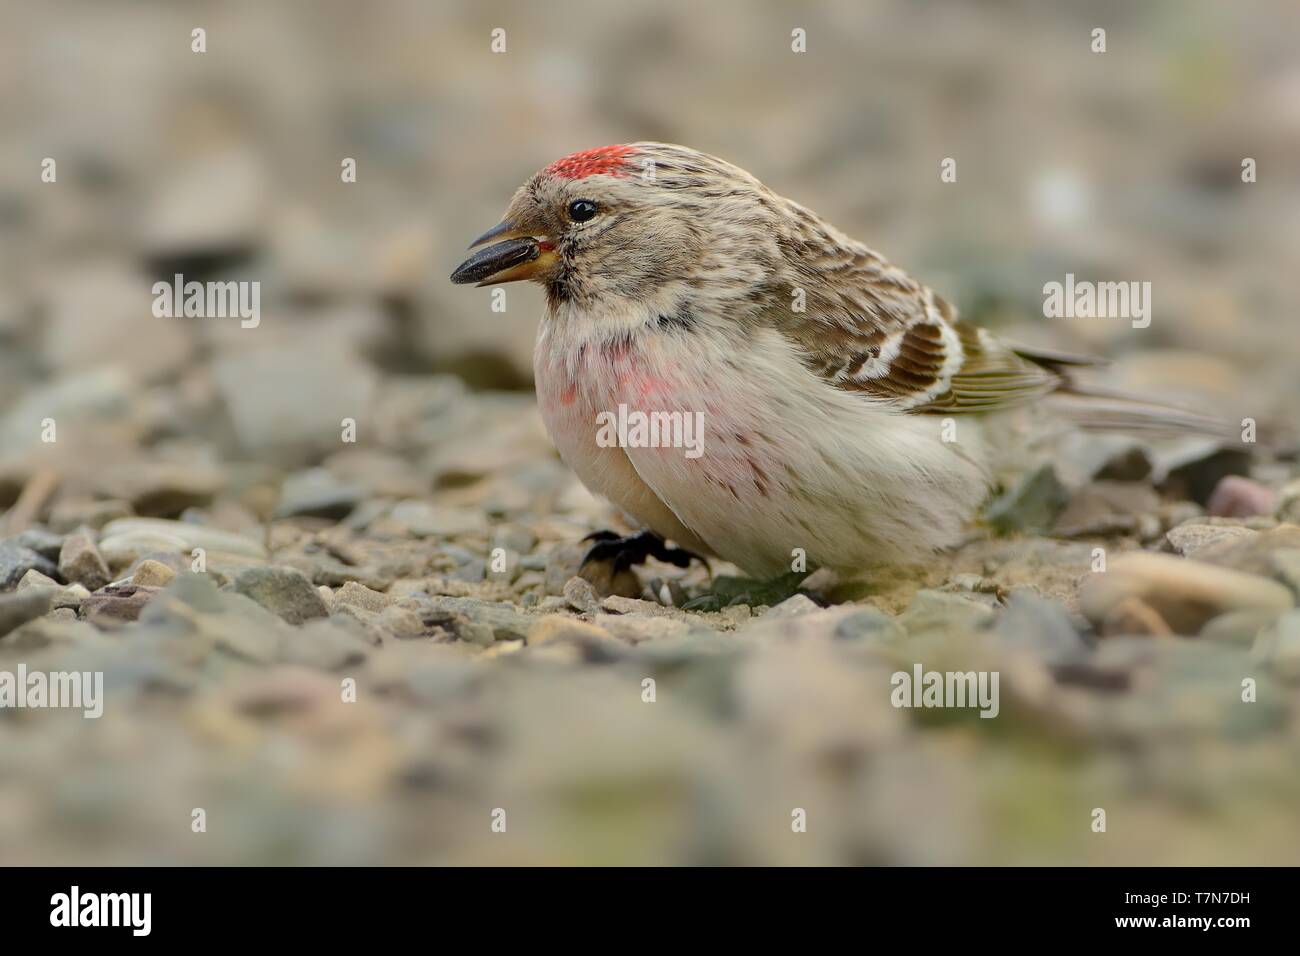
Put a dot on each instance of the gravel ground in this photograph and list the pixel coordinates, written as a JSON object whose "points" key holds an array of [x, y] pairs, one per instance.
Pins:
{"points": [[381, 652]]}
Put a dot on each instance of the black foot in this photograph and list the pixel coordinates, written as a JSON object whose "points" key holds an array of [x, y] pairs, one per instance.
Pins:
{"points": [[634, 549]]}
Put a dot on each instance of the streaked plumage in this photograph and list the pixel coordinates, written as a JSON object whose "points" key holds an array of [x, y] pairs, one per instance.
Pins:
{"points": [[823, 371]]}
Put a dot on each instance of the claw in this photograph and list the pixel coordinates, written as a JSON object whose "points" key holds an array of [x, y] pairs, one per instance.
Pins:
{"points": [[624, 552]]}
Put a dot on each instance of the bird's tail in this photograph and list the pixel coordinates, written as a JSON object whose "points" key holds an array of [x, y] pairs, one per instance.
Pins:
{"points": [[1103, 409]]}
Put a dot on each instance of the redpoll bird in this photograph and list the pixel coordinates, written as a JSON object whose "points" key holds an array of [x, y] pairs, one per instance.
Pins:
{"points": [[679, 286]]}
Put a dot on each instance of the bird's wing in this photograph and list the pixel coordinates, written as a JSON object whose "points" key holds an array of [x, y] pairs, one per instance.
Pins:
{"points": [[866, 326]]}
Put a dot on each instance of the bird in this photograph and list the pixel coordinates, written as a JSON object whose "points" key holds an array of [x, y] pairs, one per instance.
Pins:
{"points": [[848, 418]]}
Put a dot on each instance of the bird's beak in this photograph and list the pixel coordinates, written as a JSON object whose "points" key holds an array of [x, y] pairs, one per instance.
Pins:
{"points": [[516, 254]]}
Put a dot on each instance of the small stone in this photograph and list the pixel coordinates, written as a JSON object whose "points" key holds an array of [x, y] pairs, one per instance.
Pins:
{"points": [[617, 604], [184, 536], [116, 605], [1185, 593], [940, 610], [580, 595], [562, 563], [1032, 505], [1252, 554], [16, 560], [557, 629], [358, 595], [1044, 627], [1187, 539], [285, 592], [62, 597], [163, 489], [1132, 463], [80, 561], [424, 520], [45, 543], [1238, 497], [636, 628], [403, 623], [498, 620], [1196, 469], [868, 623], [793, 606], [151, 573], [325, 645], [34, 579], [18, 609], [1107, 507], [316, 493], [70, 597]]}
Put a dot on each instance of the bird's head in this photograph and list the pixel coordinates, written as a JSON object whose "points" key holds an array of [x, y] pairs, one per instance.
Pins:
{"points": [[643, 222]]}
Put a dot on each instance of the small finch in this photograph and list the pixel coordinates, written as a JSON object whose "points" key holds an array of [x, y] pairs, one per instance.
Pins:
{"points": [[679, 286]]}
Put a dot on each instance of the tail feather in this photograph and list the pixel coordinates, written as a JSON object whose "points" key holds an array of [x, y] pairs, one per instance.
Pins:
{"points": [[1101, 409]]}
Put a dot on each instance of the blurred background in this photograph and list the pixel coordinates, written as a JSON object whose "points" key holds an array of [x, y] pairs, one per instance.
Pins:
{"points": [[225, 165]]}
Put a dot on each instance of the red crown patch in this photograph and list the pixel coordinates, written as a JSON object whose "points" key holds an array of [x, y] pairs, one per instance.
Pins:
{"points": [[610, 160]]}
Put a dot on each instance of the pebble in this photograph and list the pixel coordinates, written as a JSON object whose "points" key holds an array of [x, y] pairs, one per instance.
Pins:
{"points": [[151, 573], [80, 562], [45, 543], [500, 621], [139, 536], [870, 624], [1238, 497], [1109, 507], [324, 645], [16, 560], [1041, 626], [580, 595], [62, 596], [793, 606], [595, 642], [358, 595], [317, 493], [34, 579], [285, 592], [940, 610], [17, 609], [1252, 553], [424, 520], [1185, 593], [116, 605], [1187, 539], [1034, 503]]}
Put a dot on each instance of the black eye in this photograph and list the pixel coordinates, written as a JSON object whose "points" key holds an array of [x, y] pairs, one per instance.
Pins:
{"points": [[580, 210]]}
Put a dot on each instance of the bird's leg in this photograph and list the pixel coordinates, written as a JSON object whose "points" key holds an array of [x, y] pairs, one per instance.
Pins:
{"points": [[625, 551]]}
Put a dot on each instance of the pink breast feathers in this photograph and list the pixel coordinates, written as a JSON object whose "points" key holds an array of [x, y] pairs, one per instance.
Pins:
{"points": [[610, 160]]}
